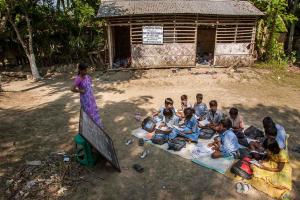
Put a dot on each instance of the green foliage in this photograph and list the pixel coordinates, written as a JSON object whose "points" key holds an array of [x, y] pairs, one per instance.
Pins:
{"points": [[63, 30], [275, 21]]}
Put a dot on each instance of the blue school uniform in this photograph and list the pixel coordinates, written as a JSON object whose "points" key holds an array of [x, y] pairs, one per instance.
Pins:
{"points": [[214, 117], [281, 136], [200, 109], [189, 125], [229, 143], [161, 111]]}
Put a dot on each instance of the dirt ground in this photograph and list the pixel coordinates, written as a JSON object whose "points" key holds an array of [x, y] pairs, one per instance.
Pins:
{"points": [[39, 118]]}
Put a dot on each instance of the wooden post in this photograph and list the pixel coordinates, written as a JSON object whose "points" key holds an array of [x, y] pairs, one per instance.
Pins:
{"points": [[110, 45], [216, 36], [235, 33], [253, 40], [196, 43], [131, 48]]}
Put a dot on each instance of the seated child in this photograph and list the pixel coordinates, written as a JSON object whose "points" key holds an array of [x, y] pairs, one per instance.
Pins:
{"points": [[236, 120], [270, 134], [272, 130], [214, 116], [190, 129], [184, 104], [200, 108], [275, 172], [168, 105], [281, 134], [228, 144], [169, 119]]}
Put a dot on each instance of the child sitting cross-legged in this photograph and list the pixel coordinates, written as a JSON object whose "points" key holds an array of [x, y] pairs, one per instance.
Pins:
{"points": [[190, 130], [200, 108], [169, 104], [228, 144], [184, 104], [168, 121]]}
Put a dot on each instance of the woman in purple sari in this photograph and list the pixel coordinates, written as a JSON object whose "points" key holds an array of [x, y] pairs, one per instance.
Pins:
{"points": [[83, 85]]}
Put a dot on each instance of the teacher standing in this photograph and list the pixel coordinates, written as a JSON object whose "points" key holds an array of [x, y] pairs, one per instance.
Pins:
{"points": [[83, 84]]}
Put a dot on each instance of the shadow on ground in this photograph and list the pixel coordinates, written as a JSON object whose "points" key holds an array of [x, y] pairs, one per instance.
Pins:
{"points": [[33, 133]]}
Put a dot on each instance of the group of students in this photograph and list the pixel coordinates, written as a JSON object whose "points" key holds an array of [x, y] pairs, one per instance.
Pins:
{"points": [[197, 117], [274, 171]]}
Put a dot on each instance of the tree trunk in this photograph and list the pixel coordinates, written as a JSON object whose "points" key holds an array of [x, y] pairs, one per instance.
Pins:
{"points": [[31, 56], [1, 90], [292, 28], [271, 34], [34, 70]]}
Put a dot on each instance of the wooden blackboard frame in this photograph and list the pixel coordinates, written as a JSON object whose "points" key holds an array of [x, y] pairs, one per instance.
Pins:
{"points": [[114, 164]]}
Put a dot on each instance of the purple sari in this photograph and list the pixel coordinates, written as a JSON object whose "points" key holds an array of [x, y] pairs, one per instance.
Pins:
{"points": [[87, 99]]}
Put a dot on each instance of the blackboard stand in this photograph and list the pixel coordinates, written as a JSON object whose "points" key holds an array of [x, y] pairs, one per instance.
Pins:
{"points": [[98, 138]]}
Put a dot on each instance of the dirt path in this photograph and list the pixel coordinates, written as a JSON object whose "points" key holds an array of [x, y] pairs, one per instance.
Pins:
{"points": [[40, 118]]}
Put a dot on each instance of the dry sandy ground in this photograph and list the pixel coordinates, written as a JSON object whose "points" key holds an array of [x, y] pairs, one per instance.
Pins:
{"points": [[39, 118]]}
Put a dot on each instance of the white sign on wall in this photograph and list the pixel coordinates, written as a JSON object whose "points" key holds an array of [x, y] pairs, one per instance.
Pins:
{"points": [[153, 35]]}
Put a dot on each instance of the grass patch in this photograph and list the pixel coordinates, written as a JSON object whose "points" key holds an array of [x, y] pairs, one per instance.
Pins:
{"points": [[278, 73]]}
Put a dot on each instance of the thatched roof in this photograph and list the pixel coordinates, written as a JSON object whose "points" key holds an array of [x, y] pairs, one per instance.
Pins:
{"points": [[112, 8]]}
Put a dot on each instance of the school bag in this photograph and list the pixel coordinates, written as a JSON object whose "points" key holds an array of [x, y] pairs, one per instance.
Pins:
{"points": [[158, 139], [242, 152], [176, 144], [242, 168], [207, 133], [149, 124], [253, 132]]}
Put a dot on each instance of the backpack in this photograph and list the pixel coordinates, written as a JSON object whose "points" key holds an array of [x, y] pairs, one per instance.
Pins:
{"points": [[242, 168], [158, 139], [207, 133], [149, 124], [253, 132], [176, 144]]}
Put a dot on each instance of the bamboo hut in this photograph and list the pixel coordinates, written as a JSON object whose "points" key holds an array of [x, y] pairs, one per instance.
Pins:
{"points": [[168, 33]]}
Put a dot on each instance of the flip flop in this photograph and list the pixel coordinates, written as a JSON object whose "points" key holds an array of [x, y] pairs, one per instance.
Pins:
{"points": [[246, 188], [239, 188], [129, 141], [138, 168], [145, 154]]}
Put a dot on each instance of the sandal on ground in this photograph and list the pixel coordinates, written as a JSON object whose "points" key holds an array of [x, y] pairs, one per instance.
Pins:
{"points": [[145, 154], [246, 188], [138, 168], [129, 141], [239, 188]]}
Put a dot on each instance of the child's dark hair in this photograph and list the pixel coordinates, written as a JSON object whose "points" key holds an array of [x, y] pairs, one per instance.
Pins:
{"points": [[271, 131], [213, 103], [82, 66], [183, 97], [168, 113], [273, 146], [233, 111], [188, 113], [268, 122], [169, 101], [226, 123], [199, 96]]}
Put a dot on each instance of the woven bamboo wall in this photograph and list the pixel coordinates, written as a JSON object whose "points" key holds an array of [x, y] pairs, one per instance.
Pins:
{"points": [[168, 54], [234, 60]]}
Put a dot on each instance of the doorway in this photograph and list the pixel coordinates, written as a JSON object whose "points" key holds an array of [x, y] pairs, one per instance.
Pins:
{"points": [[205, 45], [122, 47]]}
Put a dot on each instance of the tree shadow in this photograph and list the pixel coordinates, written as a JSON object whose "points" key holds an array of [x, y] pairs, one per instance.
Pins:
{"points": [[286, 116]]}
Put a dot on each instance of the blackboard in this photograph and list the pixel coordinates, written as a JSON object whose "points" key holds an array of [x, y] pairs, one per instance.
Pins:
{"points": [[98, 138]]}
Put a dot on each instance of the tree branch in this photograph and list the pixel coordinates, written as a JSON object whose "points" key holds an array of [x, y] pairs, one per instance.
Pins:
{"points": [[18, 35]]}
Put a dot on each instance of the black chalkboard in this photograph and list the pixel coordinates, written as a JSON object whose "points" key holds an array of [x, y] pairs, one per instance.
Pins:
{"points": [[98, 138]]}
